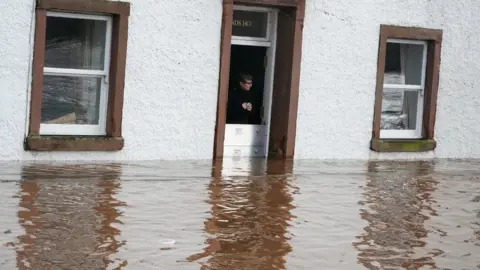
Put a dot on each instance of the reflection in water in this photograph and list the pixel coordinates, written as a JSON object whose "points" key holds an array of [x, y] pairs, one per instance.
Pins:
{"points": [[249, 216], [398, 201], [413, 215], [68, 225]]}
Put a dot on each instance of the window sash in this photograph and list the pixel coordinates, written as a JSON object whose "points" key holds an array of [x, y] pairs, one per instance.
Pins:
{"points": [[108, 37], [78, 16], [417, 132], [82, 129], [411, 133], [74, 72], [400, 134], [424, 56], [403, 86], [72, 129]]}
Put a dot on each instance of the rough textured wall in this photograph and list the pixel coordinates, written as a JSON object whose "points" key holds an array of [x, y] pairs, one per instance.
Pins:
{"points": [[338, 74], [16, 37], [172, 79], [170, 89]]}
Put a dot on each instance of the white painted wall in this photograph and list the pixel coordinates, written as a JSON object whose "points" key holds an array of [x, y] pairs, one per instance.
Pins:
{"points": [[170, 87], [173, 66], [338, 75]]}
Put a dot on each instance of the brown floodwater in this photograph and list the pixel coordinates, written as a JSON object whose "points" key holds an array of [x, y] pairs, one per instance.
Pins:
{"points": [[247, 214]]}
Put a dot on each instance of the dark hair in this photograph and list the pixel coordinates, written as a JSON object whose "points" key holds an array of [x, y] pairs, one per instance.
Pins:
{"points": [[243, 77]]}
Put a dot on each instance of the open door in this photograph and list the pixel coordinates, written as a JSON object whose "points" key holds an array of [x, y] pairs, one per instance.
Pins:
{"points": [[251, 53]]}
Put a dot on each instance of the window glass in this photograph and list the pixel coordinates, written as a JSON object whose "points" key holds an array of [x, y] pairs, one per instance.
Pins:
{"points": [[71, 100], [75, 43], [404, 64], [399, 109]]}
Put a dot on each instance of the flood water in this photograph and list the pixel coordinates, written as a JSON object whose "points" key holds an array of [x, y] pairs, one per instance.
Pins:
{"points": [[240, 215]]}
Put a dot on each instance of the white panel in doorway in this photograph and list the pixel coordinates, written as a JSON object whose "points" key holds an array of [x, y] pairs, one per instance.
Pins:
{"points": [[237, 134], [241, 151]]}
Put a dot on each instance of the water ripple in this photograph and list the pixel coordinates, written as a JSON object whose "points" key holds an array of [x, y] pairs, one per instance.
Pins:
{"points": [[246, 214]]}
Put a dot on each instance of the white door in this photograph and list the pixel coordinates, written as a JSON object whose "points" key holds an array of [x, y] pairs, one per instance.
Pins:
{"points": [[242, 140]]}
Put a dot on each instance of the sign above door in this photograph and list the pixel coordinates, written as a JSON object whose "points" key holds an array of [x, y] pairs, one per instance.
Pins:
{"points": [[250, 23]]}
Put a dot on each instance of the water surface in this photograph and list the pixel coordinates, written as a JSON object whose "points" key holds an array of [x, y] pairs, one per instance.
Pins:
{"points": [[240, 215]]}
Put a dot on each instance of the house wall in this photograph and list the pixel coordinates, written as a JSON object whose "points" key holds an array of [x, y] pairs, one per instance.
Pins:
{"points": [[170, 86], [172, 73], [338, 76]]}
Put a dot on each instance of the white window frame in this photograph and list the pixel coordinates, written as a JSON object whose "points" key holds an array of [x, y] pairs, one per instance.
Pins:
{"points": [[259, 41], [83, 129], [417, 133]]}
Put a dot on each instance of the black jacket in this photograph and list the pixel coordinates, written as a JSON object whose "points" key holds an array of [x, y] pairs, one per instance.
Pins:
{"points": [[236, 114]]}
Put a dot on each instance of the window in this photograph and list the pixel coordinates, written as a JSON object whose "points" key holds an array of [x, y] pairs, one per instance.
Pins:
{"points": [[78, 75], [403, 85], [75, 74], [407, 86]]}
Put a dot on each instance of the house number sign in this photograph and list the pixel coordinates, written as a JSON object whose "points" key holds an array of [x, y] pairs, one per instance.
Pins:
{"points": [[249, 23]]}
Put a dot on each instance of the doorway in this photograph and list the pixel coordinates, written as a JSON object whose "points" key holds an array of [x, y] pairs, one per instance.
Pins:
{"points": [[248, 60], [246, 28], [252, 53]]}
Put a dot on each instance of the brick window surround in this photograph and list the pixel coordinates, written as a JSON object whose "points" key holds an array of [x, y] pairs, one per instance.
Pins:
{"points": [[433, 37], [113, 140]]}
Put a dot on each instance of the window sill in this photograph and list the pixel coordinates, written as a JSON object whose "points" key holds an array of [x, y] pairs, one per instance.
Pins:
{"points": [[73, 143], [402, 145]]}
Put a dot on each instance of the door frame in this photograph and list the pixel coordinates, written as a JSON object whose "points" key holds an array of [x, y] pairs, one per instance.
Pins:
{"points": [[286, 77], [270, 43], [268, 81]]}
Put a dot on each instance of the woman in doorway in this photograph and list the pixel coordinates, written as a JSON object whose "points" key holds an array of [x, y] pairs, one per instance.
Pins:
{"points": [[240, 108]]}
